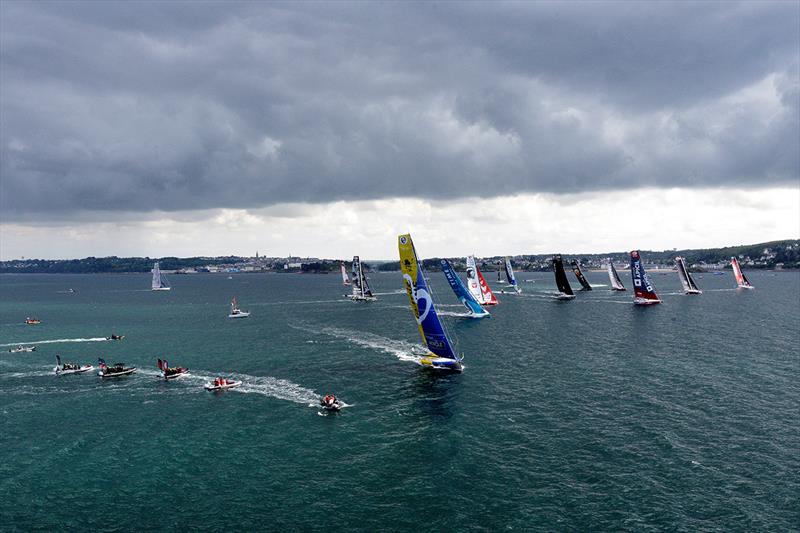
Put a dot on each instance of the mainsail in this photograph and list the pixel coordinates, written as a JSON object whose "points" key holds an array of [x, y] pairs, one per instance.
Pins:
{"points": [[643, 292], [510, 275], [564, 289], [361, 288], [430, 327], [345, 279], [159, 283], [466, 297], [472, 279], [613, 277], [487, 296], [689, 286], [741, 279], [576, 269]]}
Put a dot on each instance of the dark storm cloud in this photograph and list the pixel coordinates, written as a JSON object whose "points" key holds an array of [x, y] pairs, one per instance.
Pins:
{"points": [[174, 106]]}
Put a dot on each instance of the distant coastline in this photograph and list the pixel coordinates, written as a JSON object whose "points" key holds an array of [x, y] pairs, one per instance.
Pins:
{"points": [[775, 255]]}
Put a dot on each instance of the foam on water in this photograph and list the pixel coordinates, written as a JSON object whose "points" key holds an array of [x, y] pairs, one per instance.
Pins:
{"points": [[56, 341], [404, 351]]}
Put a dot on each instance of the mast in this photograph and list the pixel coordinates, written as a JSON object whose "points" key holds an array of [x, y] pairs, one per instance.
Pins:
{"points": [[561, 277], [576, 269], [643, 291]]}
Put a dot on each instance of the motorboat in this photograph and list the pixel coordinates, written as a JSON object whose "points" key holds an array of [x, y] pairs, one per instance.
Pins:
{"points": [[32, 321], [70, 368], [222, 384], [21, 349], [330, 403], [114, 371]]}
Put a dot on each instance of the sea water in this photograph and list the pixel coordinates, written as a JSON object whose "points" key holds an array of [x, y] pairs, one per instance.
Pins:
{"points": [[590, 414]]}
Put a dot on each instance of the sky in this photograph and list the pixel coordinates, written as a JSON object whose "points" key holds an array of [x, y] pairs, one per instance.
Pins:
{"points": [[326, 129]]}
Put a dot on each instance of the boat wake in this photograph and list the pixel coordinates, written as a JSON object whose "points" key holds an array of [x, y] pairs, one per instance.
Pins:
{"points": [[404, 351], [457, 315], [265, 385], [54, 341]]}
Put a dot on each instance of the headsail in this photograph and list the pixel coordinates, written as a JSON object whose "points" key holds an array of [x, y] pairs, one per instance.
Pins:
{"points": [[461, 291], [430, 327], [689, 286], [510, 275], [576, 269], [345, 279], [741, 279], [643, 292], [486, 293], [613, 277], [561, 278]]}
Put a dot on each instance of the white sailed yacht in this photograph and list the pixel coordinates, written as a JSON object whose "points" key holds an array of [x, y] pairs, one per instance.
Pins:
{"points": [[236, 312], [159, 282], [345, 279]]}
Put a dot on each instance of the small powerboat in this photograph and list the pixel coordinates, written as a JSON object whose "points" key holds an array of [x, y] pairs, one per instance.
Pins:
{"points": [[330, 403], [32, 321], [114, 371], [21, 348], [222, 384], [168, 372], [70, 368], [114, 337]]}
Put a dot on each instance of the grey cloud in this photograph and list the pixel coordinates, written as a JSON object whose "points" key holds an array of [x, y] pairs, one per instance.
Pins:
{"points": [[177, 106]]}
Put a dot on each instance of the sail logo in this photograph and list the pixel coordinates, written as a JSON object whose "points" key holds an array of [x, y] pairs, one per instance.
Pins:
{"points": [[403, 240], [419, 294]]}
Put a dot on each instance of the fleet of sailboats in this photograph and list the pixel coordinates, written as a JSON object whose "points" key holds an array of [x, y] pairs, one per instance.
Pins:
{"points": [[643, 291], [361, 289], [741, 280], [442, 354], [689, 286], [159, 281], [462, 293]]}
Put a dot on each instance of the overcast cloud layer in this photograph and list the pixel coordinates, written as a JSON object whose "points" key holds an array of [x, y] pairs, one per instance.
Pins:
{"points": [[175, 106]]}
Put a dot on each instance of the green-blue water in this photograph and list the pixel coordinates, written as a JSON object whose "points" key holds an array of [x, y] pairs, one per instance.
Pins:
{"points": [[570, 416]]}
